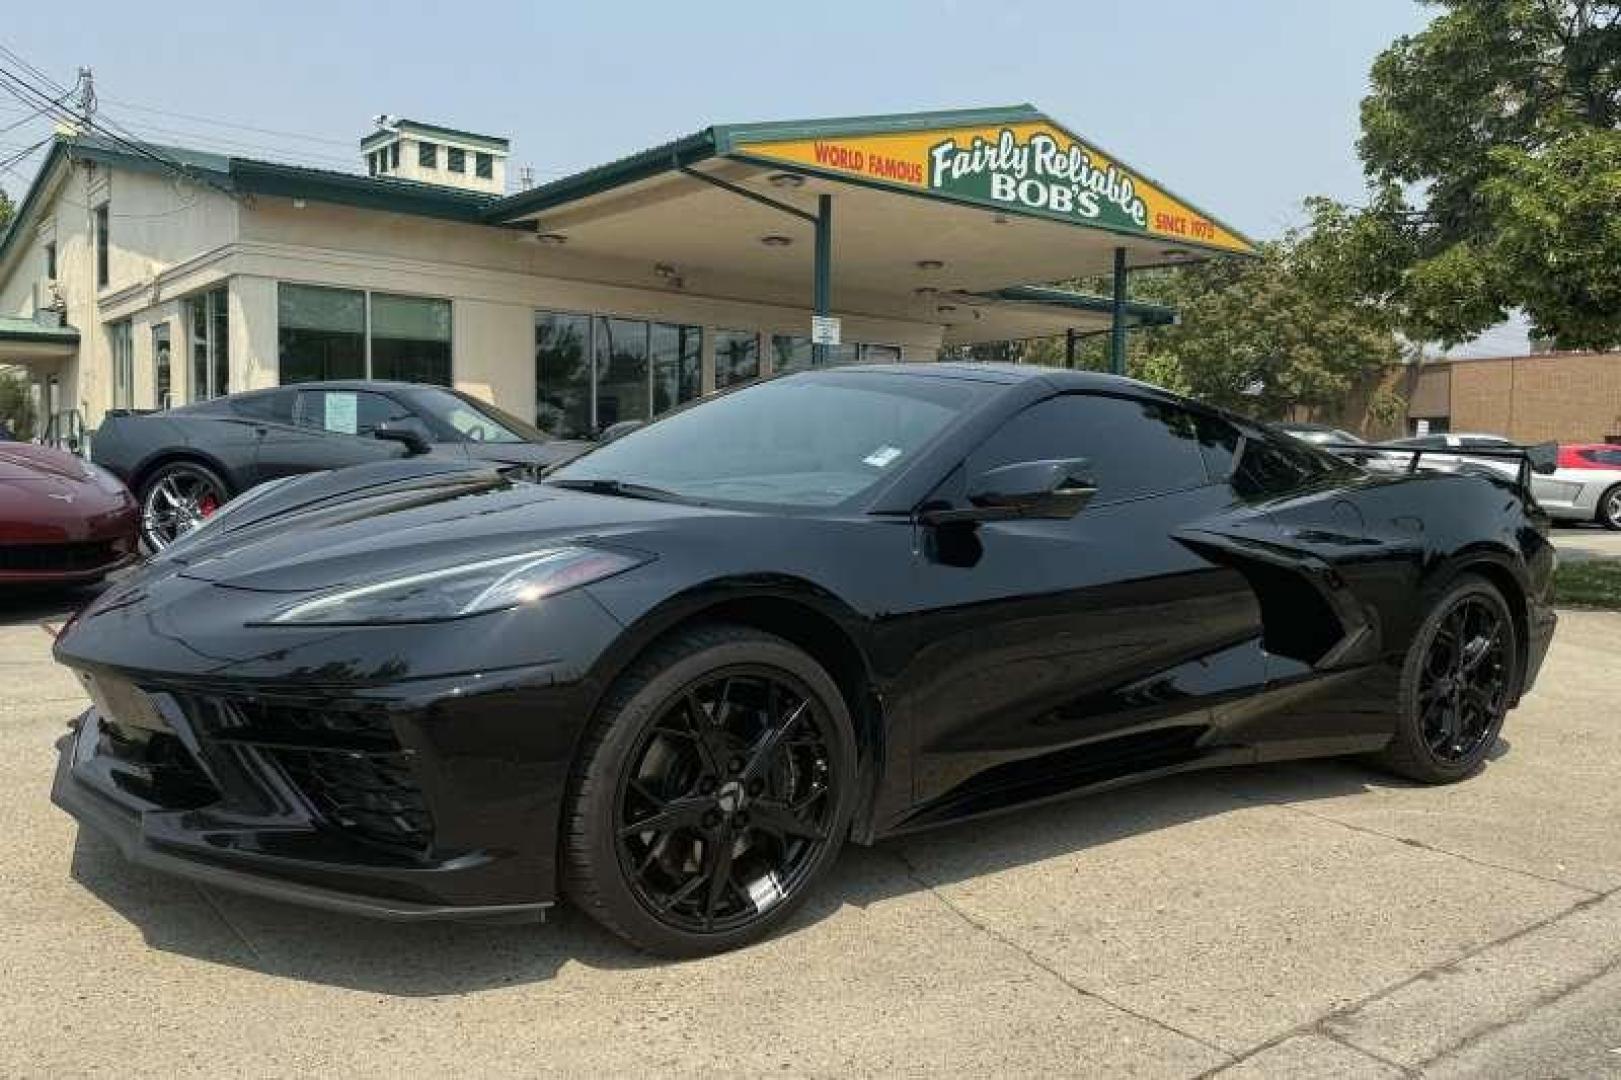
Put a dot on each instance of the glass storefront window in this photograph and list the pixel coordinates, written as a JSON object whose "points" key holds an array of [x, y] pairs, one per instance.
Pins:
{"points": [[321, 333], [563, 375], [793, 353], [123, 343], [210, 322], [595, 371], [161, 361], [410, 339], [789, 352], [737, 357], [619, 348], [678, 375]]}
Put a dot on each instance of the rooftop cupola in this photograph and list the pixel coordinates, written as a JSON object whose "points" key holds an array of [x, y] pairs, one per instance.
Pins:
{"points": [[430, 154]]}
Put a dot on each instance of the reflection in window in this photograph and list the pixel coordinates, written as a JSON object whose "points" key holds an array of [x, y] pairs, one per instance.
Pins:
{"points": [[678, 375], [737, 357], [410, 339], [427, 155], [209, 318], [321, 333], [790, 352], [619, 347], [483, 166], [123, 343], [563, 375], [456, 159]]}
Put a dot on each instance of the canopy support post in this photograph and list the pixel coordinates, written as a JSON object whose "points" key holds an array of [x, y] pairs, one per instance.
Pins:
{"points": [[823, 287], [1117, 323]]}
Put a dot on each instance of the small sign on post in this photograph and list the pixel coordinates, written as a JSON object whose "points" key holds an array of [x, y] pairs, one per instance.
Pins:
{"points": [[824, 330]]}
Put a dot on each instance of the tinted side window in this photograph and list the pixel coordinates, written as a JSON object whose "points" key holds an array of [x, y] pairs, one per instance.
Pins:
{"points": [[1603, 457], [1270, 466], [277, 405], [348, 412], [1136, 447]]}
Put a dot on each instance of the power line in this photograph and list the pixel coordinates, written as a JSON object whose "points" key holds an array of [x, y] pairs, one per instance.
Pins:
{"points": [[345, 143]]}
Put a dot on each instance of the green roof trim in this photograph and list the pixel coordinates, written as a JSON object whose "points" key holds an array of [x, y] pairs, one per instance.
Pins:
{"points": [[13, 328], [666, 157], [366, 192], [1139, 312]]}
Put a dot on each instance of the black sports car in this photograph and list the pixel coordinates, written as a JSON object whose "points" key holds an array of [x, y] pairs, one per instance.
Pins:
{"points": [[670, 680], [185, 463]]}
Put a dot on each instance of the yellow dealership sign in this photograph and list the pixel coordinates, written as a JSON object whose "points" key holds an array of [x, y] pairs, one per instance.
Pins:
{"points": [[1029, 167]]}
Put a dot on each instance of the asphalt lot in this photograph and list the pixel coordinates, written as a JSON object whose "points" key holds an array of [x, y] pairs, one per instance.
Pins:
{"points": [[1581, 542], [1300, 920]]}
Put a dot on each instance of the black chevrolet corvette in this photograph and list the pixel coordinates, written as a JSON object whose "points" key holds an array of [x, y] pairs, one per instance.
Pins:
{"points": [[668, 682], [183, 464]]}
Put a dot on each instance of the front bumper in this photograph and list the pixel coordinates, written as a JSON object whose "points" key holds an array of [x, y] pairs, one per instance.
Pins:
{"points": [[429, 799], [143, 837]]}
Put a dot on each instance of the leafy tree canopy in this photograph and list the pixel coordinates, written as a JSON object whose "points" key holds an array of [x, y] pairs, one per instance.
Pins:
{"points": [[1491, 144]]}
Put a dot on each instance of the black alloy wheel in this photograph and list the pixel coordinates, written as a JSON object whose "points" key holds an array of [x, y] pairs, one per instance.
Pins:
{"points": [[1609, 508], [714, 793], [176, 499], [1457, 685]]}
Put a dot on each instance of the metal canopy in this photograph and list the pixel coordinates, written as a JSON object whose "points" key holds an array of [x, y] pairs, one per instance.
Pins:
{"points": [[928, 207]]}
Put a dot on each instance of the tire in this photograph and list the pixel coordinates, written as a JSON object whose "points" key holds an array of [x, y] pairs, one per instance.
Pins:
{"points": [[1471, 698], [175, 498], [1609, 509], [654, 755]]}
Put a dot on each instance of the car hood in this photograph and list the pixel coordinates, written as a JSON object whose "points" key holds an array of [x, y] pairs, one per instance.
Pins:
{"points": [[24, 461], [340, 530]]}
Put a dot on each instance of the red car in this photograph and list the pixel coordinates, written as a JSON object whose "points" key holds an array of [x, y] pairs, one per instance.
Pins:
{"points": [[63, 521]]}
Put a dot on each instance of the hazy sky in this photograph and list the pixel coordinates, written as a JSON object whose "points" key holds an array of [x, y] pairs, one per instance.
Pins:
{"points": [[1243, 106]]}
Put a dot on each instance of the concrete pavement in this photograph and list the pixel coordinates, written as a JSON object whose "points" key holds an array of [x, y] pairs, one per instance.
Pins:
{"points": [[1299, 920]]}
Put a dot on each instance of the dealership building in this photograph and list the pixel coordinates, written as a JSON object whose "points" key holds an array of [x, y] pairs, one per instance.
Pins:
{"points": [[135, 276]]}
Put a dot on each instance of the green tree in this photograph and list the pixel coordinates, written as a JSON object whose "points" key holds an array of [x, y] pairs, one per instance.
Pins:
{"points": [[7, 209], [1491, 147]]}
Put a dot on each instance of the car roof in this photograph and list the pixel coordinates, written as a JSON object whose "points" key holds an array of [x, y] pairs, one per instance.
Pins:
{"points": [[1002, 373], [343, 384], [1305, 425]]}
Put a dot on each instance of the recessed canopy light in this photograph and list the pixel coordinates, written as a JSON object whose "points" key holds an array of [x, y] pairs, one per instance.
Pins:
{"points": [[664, 270], [776, 241], [1176, 253], [930, 264], [1000, 219], [551, 239], [786, 180], [946, 309], [926, 290]]}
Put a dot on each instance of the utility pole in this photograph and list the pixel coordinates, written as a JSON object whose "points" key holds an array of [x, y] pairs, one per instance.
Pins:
{"points": [[85, 90]]}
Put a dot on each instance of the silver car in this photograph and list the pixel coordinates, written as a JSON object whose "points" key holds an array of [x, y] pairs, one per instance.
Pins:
{"points": [[1585, 487]]}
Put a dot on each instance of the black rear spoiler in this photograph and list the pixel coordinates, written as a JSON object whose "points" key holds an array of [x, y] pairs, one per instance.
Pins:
{"points": [[1540, 458]]}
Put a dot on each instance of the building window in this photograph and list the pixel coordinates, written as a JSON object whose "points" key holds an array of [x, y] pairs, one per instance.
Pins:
{"points": [[371, 164], [345, 334], [428, 155], [101, 246], [394, 155], [210, 322], [737, 356], [50, 261], [123, 344], [483, 166], [678, 364], [563, 375], [320, 333], [162, 392], [593, 372], [456, 159], [880, 354], [790, 352], [410, 339]]}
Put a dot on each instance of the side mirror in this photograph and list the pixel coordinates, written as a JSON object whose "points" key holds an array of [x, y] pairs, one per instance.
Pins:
{"points": [[618, 431], [1055, 489], [415, 445]]}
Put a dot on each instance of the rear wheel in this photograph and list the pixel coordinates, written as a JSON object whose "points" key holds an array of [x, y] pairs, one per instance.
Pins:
{"points": [[1609, 508], [176, 499], [713, 792], [1456, 683]]}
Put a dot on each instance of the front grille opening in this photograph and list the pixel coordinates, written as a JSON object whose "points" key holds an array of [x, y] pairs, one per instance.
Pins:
{"points": [[372, 797], [156, 768]]}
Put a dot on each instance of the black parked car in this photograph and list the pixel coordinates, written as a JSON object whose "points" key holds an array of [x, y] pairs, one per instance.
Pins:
{"points": [[187, 462], [670, 680]]}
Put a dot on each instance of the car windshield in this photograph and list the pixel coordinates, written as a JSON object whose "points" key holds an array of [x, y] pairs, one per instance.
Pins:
{"points": [[810, 440], [475, 421]]}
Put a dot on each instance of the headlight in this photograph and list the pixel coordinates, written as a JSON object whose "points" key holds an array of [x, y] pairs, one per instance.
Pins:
{"points": [[103, 479], [247, 498], [455, 592]]}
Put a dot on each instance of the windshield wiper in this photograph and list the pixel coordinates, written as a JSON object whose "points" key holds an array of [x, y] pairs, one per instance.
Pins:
{"points": [[616, 487]]}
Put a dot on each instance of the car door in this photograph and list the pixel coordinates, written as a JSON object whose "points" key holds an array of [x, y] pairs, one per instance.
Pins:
{"points": [[1060, 651], [330, 429]]}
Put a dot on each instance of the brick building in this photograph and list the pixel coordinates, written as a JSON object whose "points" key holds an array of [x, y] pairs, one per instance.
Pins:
{"points": [[1562, 396]]}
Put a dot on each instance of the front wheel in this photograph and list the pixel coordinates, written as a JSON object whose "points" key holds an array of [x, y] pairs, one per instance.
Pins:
{"points": [[1456, 683], [1609, 508], [714, 790], [176, 499]]}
